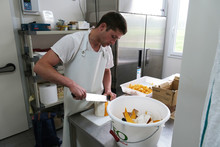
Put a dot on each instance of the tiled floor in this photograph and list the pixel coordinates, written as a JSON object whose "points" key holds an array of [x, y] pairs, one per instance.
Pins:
{"points": [[24, 139]]}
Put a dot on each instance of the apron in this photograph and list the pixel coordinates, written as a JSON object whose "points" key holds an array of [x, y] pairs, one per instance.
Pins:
{"points": [[87, 70]]}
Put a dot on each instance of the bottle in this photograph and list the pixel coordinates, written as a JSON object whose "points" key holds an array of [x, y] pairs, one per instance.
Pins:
{"points": [[139, 65], [138, 72]]}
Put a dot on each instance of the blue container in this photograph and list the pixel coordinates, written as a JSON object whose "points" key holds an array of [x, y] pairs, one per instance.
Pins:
{"points": [[35, 27]]}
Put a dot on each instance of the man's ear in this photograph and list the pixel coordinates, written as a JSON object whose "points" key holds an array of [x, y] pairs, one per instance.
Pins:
{"points": [[102, 26]]}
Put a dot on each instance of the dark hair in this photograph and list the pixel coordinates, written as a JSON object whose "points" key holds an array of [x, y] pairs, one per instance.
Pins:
{"points": [[114, 21]]}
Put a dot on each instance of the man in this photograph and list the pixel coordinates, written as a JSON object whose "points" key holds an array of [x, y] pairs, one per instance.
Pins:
{"points": [[87, 58]]}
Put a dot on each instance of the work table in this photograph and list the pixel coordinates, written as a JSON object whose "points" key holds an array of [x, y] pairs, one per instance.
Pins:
{"points": [[97, 135], [89, 134]]}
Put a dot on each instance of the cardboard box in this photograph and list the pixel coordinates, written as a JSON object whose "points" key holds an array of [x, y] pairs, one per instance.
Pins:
{"points": [[167, 93]]}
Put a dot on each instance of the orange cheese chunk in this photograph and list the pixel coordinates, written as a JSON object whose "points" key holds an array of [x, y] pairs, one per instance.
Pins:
{"points": [[133, 115], [127, 117], [155, 121], [106, 113]]}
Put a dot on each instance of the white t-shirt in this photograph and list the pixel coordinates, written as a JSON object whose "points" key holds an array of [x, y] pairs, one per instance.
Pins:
{"points": [[69, 44]]}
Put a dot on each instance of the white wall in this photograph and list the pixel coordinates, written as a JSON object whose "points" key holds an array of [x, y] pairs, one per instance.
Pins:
{"points": [[199, 51], [65, 9], [68, 10], [171, 65]]}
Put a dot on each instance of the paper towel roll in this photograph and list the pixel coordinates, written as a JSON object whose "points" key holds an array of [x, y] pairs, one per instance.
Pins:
{"points": [[48, 93]]}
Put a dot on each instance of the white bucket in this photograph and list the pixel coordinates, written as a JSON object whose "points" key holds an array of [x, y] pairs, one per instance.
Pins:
{"points": [[137, 135]]}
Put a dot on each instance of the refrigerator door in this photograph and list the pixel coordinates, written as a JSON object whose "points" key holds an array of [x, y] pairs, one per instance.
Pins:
{"points": [[95, 9], [152, 7], [154, 46], [126, 55]]}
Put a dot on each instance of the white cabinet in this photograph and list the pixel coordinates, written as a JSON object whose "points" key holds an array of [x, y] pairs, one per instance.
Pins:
{"points": [[41, 40]]}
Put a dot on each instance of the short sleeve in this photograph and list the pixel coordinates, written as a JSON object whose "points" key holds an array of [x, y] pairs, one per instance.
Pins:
{"points": [[110, 62], [67, 46]]}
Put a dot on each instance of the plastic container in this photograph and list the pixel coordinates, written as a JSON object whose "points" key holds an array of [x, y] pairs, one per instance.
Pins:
{"points": [[137, 135], [146, 81]]}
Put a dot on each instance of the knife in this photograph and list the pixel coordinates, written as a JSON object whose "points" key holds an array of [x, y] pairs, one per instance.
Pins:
{"points": [[96, 97]]}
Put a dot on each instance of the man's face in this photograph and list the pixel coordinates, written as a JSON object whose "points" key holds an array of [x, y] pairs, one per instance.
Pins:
{"points": [[109, 37]]}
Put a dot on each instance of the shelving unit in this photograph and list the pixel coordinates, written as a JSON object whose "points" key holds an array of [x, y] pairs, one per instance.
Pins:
{"points": [[30, 60], [55, 32]]}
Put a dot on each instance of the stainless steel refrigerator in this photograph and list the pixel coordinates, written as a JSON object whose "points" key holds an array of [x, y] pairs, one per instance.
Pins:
{"points": [[143, 45]]}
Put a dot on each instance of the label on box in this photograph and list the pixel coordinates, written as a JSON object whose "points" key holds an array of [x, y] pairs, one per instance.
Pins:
{"points": [[163, 95]]}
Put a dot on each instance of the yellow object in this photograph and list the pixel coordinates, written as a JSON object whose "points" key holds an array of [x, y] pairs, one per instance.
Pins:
{"points": [[63, 27], [133, 115], [106, 113], [31, 98], [140, 88], [60, 92], [127, 117], [155, 121]]}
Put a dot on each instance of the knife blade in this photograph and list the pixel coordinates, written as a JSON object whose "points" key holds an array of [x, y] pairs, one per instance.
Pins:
{"points": [[96, 97]]}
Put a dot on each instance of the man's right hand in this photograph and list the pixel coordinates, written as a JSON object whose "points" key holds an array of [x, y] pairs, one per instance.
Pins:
{"points": [[77, 92]]}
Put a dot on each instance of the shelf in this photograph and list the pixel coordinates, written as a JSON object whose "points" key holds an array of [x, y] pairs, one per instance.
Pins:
{"points": [[27, 39], [42, 106], [52, 32], [60, 101]]}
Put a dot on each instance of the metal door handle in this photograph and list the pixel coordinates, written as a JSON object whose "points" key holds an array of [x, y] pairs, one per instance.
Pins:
{"points": [[10, 67], [147, 56], [139, 58]]}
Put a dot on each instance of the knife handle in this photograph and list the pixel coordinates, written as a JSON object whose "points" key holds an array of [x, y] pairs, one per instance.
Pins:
{"points": [[108, 97], [114, 135], [73, 95]]}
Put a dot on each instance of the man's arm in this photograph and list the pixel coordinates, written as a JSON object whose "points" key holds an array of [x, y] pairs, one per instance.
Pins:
{"points": [[107, 80], [44, 68]]}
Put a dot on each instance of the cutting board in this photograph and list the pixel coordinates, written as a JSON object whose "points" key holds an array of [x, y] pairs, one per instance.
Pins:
{"points": [[97, 120]]}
